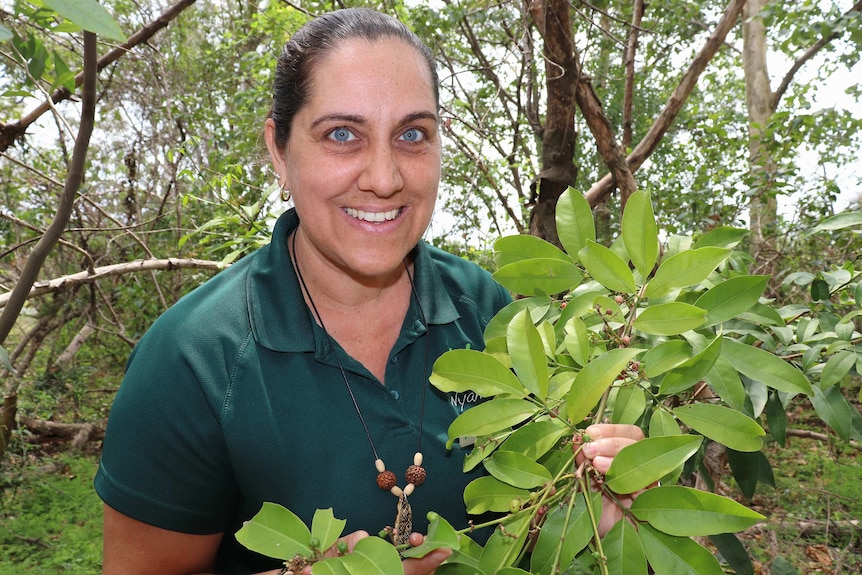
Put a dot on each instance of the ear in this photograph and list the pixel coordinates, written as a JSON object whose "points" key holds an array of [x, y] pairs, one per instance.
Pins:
{"points": [[276, 154]]}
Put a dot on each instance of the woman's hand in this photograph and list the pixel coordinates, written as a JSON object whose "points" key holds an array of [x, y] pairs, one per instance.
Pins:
{"points": [[415, 566], [606, 440]]}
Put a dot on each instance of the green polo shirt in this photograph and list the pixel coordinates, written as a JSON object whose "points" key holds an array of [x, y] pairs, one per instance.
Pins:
{"points": [[234, 397]]}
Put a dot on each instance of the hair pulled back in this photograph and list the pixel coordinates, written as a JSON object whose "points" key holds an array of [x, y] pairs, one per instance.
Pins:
{"points": [[315, 40]]}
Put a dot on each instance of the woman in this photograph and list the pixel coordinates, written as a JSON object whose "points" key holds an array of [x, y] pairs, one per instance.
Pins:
{"points": [[293, 375]]}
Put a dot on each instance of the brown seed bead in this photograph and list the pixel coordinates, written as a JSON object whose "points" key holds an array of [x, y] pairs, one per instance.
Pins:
{"points": [[415, 474], [386, 480]]}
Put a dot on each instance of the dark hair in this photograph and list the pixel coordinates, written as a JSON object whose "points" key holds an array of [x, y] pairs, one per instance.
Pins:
{"points": [[317, 38]]}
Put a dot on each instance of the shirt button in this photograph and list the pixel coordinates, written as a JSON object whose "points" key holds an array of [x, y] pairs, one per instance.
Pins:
{"points": [[394, 359], [395, 393]]}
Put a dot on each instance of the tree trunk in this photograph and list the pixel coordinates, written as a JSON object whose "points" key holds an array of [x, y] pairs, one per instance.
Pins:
{"points": [[558, 170], [763, 208]]}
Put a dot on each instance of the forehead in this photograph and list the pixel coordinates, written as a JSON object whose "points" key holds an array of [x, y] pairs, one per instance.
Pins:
{"points": [[357, 67]]}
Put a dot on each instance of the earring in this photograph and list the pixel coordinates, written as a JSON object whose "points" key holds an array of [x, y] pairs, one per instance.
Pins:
{"points": [[285, 194]]}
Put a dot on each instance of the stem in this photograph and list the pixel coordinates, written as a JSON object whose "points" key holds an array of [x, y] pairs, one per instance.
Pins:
{"points": [[596, 537]]}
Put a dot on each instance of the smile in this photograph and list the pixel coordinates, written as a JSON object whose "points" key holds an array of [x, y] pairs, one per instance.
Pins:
{"points": [[373, 216]]}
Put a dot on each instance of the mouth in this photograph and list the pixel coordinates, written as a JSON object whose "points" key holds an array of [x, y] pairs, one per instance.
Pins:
{"points": [[373, 217]]}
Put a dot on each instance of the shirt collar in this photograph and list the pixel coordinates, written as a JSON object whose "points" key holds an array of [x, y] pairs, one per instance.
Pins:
{"points": [[280, 320]]}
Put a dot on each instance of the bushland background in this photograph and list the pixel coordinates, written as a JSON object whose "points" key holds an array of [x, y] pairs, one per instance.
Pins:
{"points": [[121, 195]]}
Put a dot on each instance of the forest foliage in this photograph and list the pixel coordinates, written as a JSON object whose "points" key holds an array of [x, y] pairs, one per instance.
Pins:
{"points": [[122, 194]]}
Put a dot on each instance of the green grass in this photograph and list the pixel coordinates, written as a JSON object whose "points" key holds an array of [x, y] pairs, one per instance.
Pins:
{"points": [[50, 517]]}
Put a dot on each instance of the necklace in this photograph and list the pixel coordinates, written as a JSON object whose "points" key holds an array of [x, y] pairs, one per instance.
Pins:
{"points": [[386, 479]]}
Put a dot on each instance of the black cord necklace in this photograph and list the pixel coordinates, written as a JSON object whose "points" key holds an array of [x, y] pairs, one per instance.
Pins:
{"points": [[386, 480]]}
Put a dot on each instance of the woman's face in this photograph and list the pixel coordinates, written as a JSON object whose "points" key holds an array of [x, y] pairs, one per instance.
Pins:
{"points": [[363, 159]]}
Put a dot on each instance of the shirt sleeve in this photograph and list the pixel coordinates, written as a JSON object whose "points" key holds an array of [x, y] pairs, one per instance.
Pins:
{"points": [[164, 459]]}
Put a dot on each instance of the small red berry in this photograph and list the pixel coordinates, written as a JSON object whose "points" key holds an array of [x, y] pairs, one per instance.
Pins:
{"points": [[626, 340], [619, 299], [563, 305], [386, 480], [415, 474]]}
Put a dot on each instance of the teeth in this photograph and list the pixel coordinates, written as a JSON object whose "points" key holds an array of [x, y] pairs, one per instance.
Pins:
{"points": [[373, 216]]}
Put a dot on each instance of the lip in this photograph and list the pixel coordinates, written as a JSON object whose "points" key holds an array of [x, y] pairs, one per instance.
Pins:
{"points": [[374, 216]]}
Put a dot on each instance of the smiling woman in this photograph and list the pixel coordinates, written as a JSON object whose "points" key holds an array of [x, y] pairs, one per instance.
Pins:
{"points": [[293, 375]]}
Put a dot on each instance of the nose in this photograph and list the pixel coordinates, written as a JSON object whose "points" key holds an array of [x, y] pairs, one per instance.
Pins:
{"points": [[381, 173]]}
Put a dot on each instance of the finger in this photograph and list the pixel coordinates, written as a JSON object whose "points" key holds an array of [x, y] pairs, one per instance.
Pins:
{"points": [[351, 540], [606, 447], [605, 430], [427, 564], [416, 539]]}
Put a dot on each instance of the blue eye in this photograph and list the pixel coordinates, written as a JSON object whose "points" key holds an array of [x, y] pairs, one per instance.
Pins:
{"points": [[413, 135], [341, 135]]}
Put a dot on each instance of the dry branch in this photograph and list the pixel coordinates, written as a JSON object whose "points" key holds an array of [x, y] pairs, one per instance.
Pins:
{"points": [[79, 433], [86, 277], [14, 130], [603, 188]]}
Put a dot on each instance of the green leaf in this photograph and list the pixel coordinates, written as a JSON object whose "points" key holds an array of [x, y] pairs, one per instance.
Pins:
{"points": [[665, 356], [527, 353], [749, 468], [499, 324], [669, 318], [461, 370], [489, 417], [692, 371], [6, 361], [723, 237], [562, 537], [662, 423], [577, 340], [776, 418], [684, 269], [490, 494], [838, 222], [832, 407], [733, 552], [275, 532], [511, 249], [781, 566], [623, 549], [731, 297], [592, 381], [517, 470], [5, 33], [678, 510], [765, 367], [536, 438], [639, 465], [724, 380], [440, 534], [722, 424], [545, 275], [640, 234], [836, 368], [326, 527], [607, 268], [629, 404], [671, 555], [370, 556], [505, 544], [575, 224], [89, 15]]}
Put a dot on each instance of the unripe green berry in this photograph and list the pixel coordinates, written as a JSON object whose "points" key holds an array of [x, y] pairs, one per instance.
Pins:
{"points": [[432, 516], [314, 543], [341, 546]]}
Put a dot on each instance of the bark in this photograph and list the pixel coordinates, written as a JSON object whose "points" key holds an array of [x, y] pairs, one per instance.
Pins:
{"points": [[763, 206], [74, 177], [558, 170], [13, 131], [78, 433], [603, 188], [631, 50], [74, 346], [8, 413], [87, 277]]}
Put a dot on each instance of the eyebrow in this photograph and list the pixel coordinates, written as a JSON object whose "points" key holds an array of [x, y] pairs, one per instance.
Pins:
{"points": [[361, 120]]}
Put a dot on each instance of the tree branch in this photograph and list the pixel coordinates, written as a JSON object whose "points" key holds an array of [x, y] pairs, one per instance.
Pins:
{"points": [[74, 177], [14, 130], [810, 53], [86, 277], [602, 189]]}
